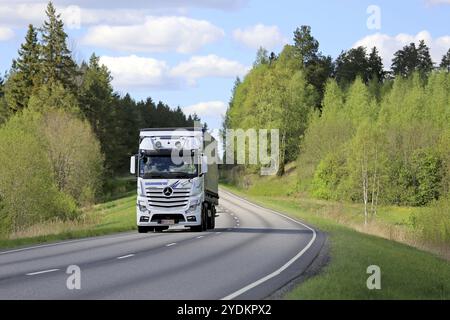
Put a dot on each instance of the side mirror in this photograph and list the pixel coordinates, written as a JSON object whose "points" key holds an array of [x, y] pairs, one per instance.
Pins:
{"points": [[133, 165], [204, 164]]}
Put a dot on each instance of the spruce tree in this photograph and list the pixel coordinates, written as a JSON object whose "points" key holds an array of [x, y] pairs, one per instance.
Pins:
{"points": [[445, 63], [425, 64], [57, 63], [375, 66], [24, 72]]}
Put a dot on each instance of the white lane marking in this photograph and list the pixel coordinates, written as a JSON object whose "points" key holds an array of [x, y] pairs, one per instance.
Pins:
{"points": [[218, 232], [235, 218], [127, 256], [283, 267], [65, 242], [199, 237], [41, 272], [171, 244]]}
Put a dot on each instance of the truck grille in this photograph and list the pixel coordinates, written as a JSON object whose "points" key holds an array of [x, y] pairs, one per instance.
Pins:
{"points": [[178, 199]]}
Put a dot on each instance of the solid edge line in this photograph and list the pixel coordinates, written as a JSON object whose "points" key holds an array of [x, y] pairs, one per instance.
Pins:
{"points": [[282, 268], [127, 256], [41, 272], [54, 244]]}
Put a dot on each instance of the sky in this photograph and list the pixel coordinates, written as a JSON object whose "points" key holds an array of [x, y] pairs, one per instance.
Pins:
{"points": [[189, 53]]}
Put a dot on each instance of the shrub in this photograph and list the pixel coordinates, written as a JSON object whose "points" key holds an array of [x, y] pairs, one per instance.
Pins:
{"points": [[433, 222]]}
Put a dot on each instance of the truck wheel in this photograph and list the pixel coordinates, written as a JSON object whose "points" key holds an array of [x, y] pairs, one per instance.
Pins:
{"points": [[213, 217], [143, 229], [205, 218]]}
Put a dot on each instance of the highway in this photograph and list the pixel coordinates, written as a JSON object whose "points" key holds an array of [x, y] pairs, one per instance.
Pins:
{"points": [[252, 253]]}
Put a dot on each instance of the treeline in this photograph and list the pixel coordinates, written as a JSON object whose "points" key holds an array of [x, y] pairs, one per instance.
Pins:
{"points": [[63, 129], [358, 132]]}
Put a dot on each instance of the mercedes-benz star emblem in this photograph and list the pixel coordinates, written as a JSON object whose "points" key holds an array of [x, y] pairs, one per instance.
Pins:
{"points": [[167, 191]]}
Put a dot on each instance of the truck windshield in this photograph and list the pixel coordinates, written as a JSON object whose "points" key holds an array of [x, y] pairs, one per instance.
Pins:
{"points": [[163, 167]]}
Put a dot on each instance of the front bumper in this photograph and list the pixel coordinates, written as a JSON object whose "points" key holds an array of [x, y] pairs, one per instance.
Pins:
{"points": [[157, 217]]}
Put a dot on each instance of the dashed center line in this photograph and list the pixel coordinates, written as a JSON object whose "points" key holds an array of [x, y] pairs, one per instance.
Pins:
{"points": [[41, 272], [171, 244], [199, 237], [127, 256]]}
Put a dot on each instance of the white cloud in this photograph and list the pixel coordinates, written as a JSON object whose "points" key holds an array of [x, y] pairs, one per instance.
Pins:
{"points": [[437, 2], [388, 45], [142, 72], [6, 33], [207, 109], [260, 35], [208, 66], [134, 71], [157, 34]]}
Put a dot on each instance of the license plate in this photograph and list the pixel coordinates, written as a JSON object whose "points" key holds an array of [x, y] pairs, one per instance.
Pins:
{"points": [[170, 222]]}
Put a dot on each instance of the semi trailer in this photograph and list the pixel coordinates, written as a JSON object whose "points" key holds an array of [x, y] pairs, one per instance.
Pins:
{"points": [[177, 179]]}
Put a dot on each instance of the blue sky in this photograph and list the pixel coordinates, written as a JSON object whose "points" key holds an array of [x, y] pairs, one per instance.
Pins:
{"points": [[188, 53]]}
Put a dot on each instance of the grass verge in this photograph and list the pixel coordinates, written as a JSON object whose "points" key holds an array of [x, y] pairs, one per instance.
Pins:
{"points": [[406, 272], [106, 218]]}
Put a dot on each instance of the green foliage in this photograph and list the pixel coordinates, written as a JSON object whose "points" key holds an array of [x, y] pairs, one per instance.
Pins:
{"points": [[445, 62], [28, 193], [411, 59], [57, 64], [24, 72], [328, 176], [433, 222]]}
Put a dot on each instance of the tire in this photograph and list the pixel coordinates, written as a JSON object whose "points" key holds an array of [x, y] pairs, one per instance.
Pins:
{"points": [[205, 217], [203, 226], [143, 229], [211, 218]]}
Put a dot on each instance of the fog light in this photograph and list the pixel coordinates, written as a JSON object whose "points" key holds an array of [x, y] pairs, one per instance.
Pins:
{"points": [[144, 219], [191, 219]]}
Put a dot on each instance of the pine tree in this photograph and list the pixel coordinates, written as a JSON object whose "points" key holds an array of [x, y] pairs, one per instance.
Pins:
{"points": [[306, 45], [57, 63], [425, 64], [24, 72], [405, 61], [375, 66], [350, 64], [445, 63]]}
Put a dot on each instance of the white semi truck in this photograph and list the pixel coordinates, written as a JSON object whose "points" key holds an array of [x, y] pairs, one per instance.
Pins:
{"points": [[177, 182]]}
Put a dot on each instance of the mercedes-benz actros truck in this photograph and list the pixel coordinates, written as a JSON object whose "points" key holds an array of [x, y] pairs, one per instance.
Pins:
{"points": [[177, 179]]}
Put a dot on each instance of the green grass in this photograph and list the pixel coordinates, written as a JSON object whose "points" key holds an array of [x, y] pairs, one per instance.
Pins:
{"points": [[406, 272], [106, 218]]}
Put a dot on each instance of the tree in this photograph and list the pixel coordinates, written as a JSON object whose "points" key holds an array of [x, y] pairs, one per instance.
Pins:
{"points": [[95, 98], [445, 62], [405, 60], [375, 68], [350, 64], [262, 57], [412, 58], [318, 68], [306, 45], [425, 64], [24, 72], [57, 63]]}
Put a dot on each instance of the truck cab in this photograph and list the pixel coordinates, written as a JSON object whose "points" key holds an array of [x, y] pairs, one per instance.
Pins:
{"points": [[177, 183]]}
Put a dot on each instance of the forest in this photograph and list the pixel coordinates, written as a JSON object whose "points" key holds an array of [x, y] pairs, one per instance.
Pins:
{"points": [[357, 131], [64, 131]]}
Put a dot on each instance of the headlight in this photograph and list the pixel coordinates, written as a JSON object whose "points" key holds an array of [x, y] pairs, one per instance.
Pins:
{"points": [[142, 206], [194, 204]]}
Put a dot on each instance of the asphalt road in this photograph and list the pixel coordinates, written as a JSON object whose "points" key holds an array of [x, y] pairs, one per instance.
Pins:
{"points": [[251, 253]]}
